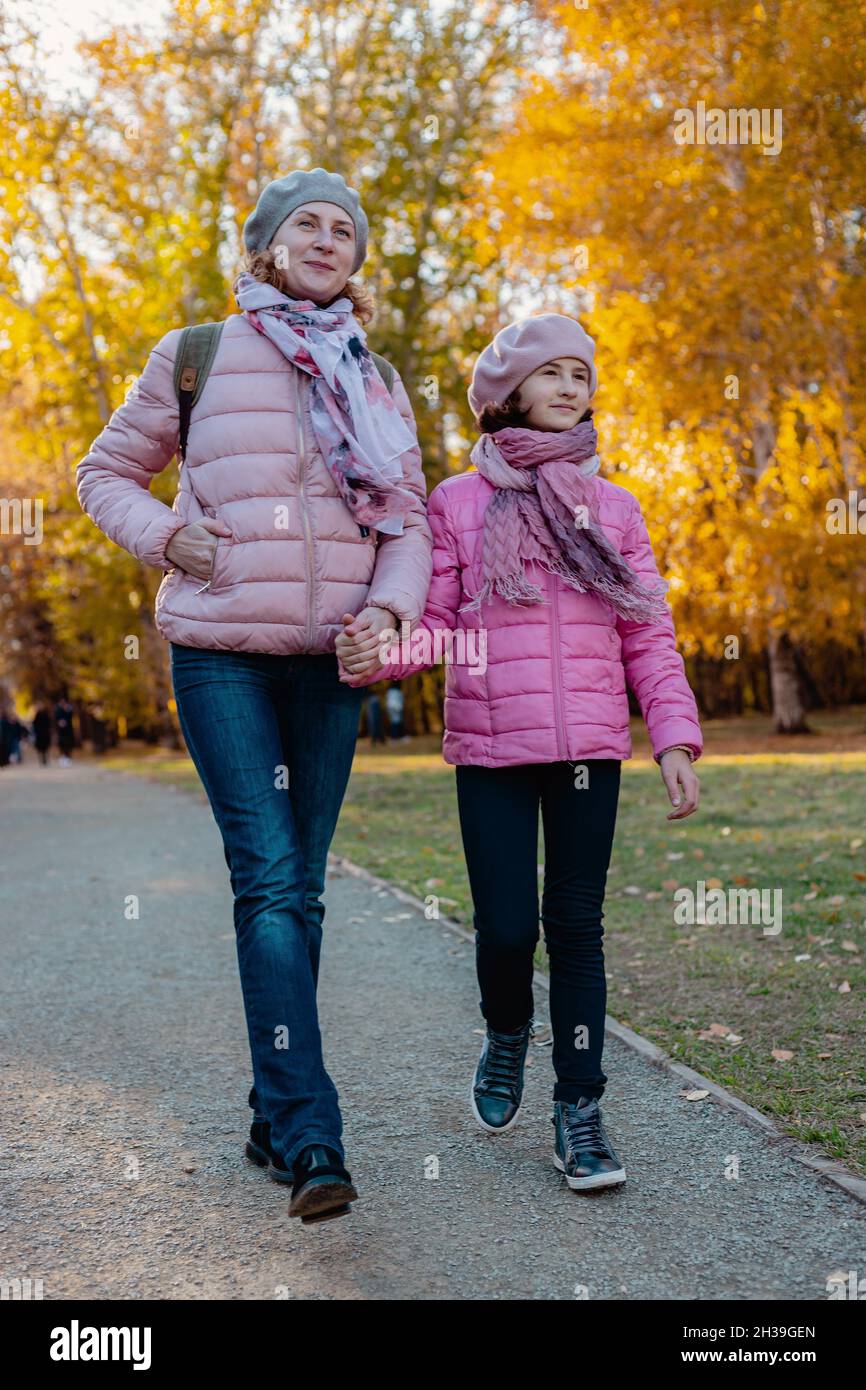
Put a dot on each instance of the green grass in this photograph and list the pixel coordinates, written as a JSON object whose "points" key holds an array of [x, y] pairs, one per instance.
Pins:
{"points": [[768, 820]]}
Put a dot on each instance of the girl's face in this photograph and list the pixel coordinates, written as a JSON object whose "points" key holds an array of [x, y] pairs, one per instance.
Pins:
{"points": [[315, 248], [555, 395]]}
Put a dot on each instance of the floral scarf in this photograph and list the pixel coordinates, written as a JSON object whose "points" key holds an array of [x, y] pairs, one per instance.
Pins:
{"points": [[359, 430]]}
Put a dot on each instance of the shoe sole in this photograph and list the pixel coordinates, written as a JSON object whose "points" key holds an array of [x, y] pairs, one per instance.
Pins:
{"points": [[612, 1179], [321, 1199], [490, 1129], [332, 1200]]}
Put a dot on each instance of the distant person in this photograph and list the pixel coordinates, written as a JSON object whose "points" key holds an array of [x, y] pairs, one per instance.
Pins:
{"points": [[5, 737], [394, 706], [373, 707], [63, 712], [42, 734], [17, 732]]}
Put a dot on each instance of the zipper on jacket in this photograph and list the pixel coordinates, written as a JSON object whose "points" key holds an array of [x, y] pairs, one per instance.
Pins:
{"points": [[561, 746], [302, 472]]}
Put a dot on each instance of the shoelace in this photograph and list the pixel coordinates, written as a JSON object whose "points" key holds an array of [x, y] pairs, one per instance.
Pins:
{"points": [[502, 1064], [584, 1133]]}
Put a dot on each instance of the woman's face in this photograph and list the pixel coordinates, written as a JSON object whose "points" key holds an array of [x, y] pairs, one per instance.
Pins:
{"points": [[315, 248], [556, 394]]}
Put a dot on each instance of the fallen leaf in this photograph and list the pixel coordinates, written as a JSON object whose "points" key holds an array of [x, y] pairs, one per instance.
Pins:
{"points": [[696, 1095], [781, 1055]]}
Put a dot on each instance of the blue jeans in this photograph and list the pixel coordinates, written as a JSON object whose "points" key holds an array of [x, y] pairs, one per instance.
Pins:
{"points": [[272, 739]]}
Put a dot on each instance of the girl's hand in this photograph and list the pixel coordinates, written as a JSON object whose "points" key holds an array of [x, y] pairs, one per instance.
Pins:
{"points": [[359, 644], [677, 774]]}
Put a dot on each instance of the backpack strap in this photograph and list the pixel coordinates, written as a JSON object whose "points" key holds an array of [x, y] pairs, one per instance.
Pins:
{"points": [[195, 354], [386, 371]]}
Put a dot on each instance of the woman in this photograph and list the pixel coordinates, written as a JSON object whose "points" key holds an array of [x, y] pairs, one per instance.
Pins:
{"points": [[302, 500]]}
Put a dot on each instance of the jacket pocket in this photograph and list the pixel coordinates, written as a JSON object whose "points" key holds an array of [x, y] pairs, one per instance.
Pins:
{"points": [[215, 579]]}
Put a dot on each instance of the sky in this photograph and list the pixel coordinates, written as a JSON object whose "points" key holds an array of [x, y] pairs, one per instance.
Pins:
{"points": [[61, 22]]}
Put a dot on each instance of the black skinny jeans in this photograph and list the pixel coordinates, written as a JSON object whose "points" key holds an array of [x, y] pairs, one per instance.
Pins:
{"points": [[499, 820]]}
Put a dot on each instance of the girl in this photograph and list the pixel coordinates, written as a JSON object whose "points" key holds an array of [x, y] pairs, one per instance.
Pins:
{"points": [[301, 492], [547, 563]]}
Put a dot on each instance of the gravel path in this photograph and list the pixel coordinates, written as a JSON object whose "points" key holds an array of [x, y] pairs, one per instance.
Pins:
{"points": [[125, 1071]]}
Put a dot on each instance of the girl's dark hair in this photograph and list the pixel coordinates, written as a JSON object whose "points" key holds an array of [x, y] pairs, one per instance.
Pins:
{"points": [[500, 417], [509, 415], [262, 265]]}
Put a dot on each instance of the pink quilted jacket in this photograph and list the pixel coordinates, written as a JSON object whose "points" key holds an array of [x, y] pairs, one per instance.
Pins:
{"points": [[296, 561], [554, 688]]}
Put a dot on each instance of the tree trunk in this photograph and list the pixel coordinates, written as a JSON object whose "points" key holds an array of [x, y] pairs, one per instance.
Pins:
{"points": [[789, 711]]}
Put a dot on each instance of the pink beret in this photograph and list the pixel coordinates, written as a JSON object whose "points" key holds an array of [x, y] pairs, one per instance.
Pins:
{"points": [[517, 350]]}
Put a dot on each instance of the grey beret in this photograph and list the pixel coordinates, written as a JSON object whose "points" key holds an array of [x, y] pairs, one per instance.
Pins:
{"points": [[282, 196]]}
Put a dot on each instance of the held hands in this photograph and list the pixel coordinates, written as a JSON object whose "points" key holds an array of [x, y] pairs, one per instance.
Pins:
{"points": [[192, 547], [358, 645], [681, 782]]}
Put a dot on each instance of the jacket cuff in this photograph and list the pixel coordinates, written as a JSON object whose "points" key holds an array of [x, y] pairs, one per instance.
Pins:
{"points": [[686, 748], [396, 601], [154, 552], [661, 746]]}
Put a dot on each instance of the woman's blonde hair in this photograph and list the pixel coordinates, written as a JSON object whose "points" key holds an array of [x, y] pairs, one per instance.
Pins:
{"points": [[263, 265]]}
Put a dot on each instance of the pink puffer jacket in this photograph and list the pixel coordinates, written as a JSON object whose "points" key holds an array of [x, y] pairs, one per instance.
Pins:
{"points": [[296, 560], [554, 688]]}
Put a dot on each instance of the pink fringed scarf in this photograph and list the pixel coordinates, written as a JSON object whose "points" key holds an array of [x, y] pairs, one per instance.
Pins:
{"points": [[545, 508]]}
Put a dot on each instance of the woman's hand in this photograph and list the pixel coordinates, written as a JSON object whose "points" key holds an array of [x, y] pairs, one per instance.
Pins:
{"points": [[192, 547], [676, 770], [359, 644]]}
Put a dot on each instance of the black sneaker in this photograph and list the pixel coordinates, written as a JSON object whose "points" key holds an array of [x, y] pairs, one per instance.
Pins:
{"points": [[322, 1187], [583, 1151], [497, 1086]]}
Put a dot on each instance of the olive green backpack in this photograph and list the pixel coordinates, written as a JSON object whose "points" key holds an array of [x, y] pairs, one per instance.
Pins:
{"points": [[195, 354]]}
